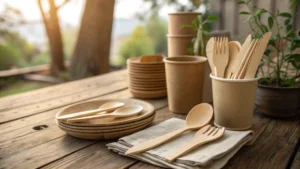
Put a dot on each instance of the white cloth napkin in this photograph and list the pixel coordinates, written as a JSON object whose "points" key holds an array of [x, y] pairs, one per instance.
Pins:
{"points": [[211, 156]]}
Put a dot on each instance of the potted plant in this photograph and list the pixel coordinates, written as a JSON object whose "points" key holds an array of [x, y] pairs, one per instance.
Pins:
{"points": [[197, 47], [278, 93]]}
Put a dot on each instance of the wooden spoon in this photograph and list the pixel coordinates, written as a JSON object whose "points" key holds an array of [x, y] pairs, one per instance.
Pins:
{"points": [[109, 106], [209, 54], [205, 135], [199, 116], [125, 111], [152, 58], [234, 60]]}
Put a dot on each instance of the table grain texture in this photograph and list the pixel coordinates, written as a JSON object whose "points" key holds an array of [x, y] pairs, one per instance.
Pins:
{"points": [[30, 138]]}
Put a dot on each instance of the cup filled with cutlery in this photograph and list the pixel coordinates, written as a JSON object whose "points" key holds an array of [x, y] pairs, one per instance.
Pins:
{"points": [[234, 80]]}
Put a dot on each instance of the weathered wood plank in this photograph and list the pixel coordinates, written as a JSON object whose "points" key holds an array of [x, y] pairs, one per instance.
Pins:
{"points": [[144, 165], [31, 109], [19, 137], [296, 161], [57, 91], [17, 143], [273, 149], [22, 71], [93, 156]]}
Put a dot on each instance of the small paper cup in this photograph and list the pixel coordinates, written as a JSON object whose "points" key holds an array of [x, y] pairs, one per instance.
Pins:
{"points": [[185, 75], [233, 101], [178, 44]]}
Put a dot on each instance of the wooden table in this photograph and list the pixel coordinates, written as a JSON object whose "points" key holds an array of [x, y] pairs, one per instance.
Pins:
{"points": [[30, 137]]}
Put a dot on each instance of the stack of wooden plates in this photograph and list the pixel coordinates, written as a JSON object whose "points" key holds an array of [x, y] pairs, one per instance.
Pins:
{"points": [[147, 79], [106, 128]]}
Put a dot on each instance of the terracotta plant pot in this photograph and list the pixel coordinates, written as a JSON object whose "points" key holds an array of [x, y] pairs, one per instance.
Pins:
{"points": [[234, 102], [185, 75], [178, 44], [177, 19], [278, 101]]}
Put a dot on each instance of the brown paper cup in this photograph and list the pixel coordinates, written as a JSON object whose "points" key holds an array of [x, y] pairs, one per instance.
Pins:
{"points": [[178, 44], [233, 101], [184, 76], [177, 19]]}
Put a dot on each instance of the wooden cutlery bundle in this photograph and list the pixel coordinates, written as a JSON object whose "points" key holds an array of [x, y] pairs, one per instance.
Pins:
{"points": [[231, 60], [198, 118]]}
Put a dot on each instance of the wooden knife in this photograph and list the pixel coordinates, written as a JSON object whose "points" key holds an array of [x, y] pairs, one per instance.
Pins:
{"points": [[257, 55]]}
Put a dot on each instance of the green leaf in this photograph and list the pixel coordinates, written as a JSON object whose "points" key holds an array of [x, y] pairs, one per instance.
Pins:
{"points": [[241, 2], [249, 18], [270, 22], [295, 65], [206, 28], [186, 26], [287, 21], [289, 27], [195, 23], [267, 52], [293, 4], [264, 28], [244, 13], [296, 57], [211, 19], [285, 14], [260, 11]]}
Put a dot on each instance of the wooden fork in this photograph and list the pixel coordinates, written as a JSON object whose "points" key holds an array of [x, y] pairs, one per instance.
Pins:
{"points": [[206, 134], [221, 55]]}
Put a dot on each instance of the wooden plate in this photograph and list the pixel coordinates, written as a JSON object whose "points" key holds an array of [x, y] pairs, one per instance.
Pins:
{"points": [[146, 69], [147, 79], [148, 88], [150, 85], [147, 76], [103, 136], [105, 130], [148, 110], [116, 127], [136, 61], [150, 71], [148, 94]]}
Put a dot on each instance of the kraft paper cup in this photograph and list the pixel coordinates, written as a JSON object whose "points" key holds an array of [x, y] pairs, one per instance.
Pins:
{"points": [[233, 101], [177, 19], [184, 76], [178, 44]]}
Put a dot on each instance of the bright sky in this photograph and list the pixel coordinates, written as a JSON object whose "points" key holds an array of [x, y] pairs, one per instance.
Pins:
{"points": [[71, 12]]}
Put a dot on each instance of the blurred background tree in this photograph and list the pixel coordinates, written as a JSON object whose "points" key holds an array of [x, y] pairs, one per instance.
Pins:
{"points": [[137, 44]]}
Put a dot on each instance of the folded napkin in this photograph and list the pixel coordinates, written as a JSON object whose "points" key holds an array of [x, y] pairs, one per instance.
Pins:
{"points": [[209, 156]]}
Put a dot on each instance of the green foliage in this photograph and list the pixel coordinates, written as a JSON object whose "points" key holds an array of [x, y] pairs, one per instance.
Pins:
{"points": [[284, 42], [8, 56], [203, 27], [136, 45], [156, 30]]}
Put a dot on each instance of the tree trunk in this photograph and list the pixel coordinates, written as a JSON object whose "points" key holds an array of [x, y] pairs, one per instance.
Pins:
{"points": [[91, 53], [54, 37]]}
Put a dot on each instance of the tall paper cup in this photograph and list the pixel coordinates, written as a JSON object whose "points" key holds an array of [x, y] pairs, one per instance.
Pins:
{"points": [[233, 101], [184, 76], [178, 19]]}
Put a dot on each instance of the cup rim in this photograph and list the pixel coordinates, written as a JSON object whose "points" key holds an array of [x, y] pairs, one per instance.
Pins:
{"points": [[198, 59], [234, 80]]}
